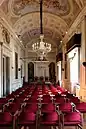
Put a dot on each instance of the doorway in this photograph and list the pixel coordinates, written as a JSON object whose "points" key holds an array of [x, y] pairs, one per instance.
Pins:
{"points": [[52, 76], [6, 76], [30, 72]]}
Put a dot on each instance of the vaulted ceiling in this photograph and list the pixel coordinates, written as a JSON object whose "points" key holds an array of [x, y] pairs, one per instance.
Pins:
{"points": [[58, 16]]}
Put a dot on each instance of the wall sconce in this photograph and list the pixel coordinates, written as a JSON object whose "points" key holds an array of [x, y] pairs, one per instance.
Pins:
{"points": [[19, 69], [62, 69], [84, 64]]}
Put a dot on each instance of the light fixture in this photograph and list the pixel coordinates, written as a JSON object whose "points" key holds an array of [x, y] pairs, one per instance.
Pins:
{"points": [[41, 48]]}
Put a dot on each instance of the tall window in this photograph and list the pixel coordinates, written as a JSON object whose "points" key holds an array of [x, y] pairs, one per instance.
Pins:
{"points": [[16, 65]]}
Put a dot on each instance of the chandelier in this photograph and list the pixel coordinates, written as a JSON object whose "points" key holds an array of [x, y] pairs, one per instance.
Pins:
{"points": [[41, 48]]}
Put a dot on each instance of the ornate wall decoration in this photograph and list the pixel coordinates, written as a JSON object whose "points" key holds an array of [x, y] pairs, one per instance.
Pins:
{"points": [[6, 36], [4, 6]]}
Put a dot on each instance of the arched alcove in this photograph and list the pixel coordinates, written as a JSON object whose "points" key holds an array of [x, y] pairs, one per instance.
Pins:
{"points": [[52, 71], [30, 72]]}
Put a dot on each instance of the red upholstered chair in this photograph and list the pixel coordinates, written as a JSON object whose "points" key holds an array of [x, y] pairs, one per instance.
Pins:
{"points": [[66, 107], [72, 119], [81, 107], [31, 107], [70, 95], [46, 99], [74, 100], [59, 100], [44, 90], [27, 119], [7, 121], [50, 119], [53, 89], [12, 108], [60, 88], [2, 102], [32, 100], [47, 108], [10, 96]]}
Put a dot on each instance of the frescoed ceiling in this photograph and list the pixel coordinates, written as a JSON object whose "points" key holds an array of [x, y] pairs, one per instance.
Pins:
{"points": [[24, 18]]}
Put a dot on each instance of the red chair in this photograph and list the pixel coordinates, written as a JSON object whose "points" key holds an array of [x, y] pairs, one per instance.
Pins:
{"points": [[31, 107], [72, 119], [12, 108], [53, 89], [74, 100], [46, 99], [81, 107], [32, 100], [47, 108], [7, 120], [44, 90], [59, 100], [2, 102], [66, 107], [27, 119], [50, 119]]}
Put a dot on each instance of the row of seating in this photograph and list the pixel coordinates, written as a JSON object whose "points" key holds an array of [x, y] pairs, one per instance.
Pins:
{"points": [[40, 105]]}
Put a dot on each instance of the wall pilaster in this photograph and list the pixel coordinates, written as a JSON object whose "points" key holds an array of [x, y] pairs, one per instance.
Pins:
{"points": [[83, 59], [26, 66], [1, 67]]}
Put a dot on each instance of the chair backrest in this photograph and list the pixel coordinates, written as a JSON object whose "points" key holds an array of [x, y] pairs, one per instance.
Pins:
{"points": [[30, 116], [5, 117], [53, 116]]}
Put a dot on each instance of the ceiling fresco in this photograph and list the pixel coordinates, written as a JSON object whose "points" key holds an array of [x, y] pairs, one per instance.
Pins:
{"points": [[60, 7], [34, 34], [29, 27], [58, 16]]}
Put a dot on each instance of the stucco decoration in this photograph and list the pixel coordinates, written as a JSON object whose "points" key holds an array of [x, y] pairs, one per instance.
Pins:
{"points": [[65, 9], [84, 1], [28, 37], [4, 6], [80, 3], [24, 15], [59, 7], [6, 35], [29, 26]]}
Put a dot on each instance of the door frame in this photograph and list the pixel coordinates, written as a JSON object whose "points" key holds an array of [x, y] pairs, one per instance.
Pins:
{"points": [[5, 86]]}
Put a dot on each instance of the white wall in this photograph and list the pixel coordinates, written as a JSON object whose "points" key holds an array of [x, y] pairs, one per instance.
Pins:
{"points": [[9, 50], [74, 67], [31, 57]]}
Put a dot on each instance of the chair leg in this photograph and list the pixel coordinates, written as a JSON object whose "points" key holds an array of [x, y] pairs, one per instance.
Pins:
{"points": [[27, 127], [52, 127], [57, 127], [62, 127], [76, 127]]}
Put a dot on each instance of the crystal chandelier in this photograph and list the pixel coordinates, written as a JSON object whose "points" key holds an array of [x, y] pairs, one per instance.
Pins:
{"points": [[41, 48]]}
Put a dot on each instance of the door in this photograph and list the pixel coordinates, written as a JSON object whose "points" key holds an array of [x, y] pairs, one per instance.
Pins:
{"points": [[6, 76], [52, 72], [30, 72]]}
